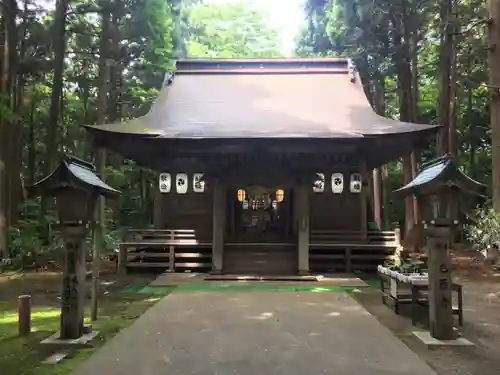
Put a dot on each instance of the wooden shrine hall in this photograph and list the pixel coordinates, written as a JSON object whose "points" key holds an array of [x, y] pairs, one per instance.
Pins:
{"points": [[263, 168]]}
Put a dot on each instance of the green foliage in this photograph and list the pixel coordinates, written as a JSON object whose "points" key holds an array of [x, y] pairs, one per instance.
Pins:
{"points": [[27, 240], [140, 53], [366, 30], [483, 231], [230, 30]]}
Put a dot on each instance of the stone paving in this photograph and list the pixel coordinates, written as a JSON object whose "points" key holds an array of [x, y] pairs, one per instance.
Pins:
{"points": [[255, 333]]}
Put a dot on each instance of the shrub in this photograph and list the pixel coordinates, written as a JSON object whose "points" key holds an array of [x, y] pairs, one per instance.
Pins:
{"points": [[483, 231]]}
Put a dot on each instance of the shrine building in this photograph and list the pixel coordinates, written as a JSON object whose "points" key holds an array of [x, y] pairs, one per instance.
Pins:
{"points": [[264, 167]]}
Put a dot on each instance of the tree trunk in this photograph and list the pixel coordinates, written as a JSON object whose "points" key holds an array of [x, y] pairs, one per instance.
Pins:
{"points": [[114, 107], [401, 59], [99, 227], [8, 27], [445, 60], [415, 109], [452, 131], [12, 146], [494, 81], [472, 131], [59, 47]]}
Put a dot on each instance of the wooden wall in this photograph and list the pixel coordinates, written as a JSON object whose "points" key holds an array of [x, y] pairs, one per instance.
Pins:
{"points": [[336, 211], [192, 210], [328, 211]]}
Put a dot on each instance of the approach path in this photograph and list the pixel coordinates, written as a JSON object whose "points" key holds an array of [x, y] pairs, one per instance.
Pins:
{"points": [[250, 333]]}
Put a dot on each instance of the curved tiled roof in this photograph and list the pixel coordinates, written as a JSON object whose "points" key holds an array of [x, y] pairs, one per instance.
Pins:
{"points": [[443, 170], [263, 98]]}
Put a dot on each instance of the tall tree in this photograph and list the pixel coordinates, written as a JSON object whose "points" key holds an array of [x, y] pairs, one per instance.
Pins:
{"points": [[446, 52], [400, 42], [59, 47], [100, 153], [494, 80]]}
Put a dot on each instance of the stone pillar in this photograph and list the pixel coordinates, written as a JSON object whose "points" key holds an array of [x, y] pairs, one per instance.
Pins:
{"points": [[302, 215], [439, 268], [73, 283], [218, 226]]}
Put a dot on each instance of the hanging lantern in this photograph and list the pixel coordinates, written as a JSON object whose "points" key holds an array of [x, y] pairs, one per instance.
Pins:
{"points": [[280, 195], [241, 195], [319, 184]]}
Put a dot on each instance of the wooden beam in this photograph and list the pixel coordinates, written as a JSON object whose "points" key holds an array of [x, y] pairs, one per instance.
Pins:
{"points": [[364, 199], [377, 205], [302, 205], [219, 217]]}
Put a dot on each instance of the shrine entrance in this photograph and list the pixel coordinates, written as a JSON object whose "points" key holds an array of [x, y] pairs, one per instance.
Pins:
{"points": [[261, 236], [262, 214]]}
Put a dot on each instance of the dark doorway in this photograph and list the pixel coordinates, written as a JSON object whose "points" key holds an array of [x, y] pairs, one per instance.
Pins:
{"points": [[261, 214]]}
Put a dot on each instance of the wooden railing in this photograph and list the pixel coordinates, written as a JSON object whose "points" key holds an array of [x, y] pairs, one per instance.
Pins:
{"points": [[171, 249], [186, 249], [347, 251]]}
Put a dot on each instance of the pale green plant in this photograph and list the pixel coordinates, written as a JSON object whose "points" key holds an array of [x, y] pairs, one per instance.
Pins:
{"points": [[483, 230]]}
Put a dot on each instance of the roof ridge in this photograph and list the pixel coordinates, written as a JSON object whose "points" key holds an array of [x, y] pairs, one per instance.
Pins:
{"points": [[435, 161], [69, 159], [223, 65]]}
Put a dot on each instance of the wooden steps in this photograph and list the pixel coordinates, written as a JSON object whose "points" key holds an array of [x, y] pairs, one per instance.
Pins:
{"points": [[260, 259]]}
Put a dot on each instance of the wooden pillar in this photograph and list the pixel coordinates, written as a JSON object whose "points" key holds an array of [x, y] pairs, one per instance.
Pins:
{"points": [[158, 220], [24, 314], [364, 200], [232, 211], [377, 206], [287, 212], [385, 197], [302, 214], [218, 226]]}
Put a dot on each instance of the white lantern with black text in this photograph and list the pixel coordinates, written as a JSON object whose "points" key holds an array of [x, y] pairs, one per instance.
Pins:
{"points": [[198, 183], [319, 184], [356, 183], [337, 183], [181, 183], [165, 183]]}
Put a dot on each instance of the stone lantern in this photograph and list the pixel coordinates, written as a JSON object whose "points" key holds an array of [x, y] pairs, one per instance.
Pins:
{"points": [[438, 188], [75, 187]]}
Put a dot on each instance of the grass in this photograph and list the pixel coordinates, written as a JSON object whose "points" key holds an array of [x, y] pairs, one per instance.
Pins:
{"points": [[24, 356]]}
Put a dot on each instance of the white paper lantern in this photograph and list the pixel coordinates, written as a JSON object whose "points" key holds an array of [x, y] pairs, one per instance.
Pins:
{"points": [[356, 183], [181, 183], [198, 183], [319, 184], [337, 183], [165, 182]]}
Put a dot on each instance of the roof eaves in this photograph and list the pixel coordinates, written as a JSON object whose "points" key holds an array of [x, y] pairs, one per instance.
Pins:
{"points": [[427, 176]]}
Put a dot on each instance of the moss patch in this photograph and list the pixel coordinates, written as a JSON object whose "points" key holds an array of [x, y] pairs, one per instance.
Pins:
{"points": [[24, 356]]}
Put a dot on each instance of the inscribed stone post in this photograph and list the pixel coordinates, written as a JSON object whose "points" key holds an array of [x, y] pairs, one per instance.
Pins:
{"points": [[440, 284]]}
